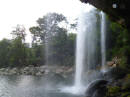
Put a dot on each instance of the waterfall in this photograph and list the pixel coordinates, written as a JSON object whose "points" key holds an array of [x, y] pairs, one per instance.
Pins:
{"points": [[103, 39], [86, 45], [86, 53]]}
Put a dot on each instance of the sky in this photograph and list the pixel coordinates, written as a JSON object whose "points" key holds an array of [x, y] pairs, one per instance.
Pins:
{"points": [[26, 12]]}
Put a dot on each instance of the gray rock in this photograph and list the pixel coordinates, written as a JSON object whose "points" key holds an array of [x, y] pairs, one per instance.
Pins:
{"points": [[97, 88]]}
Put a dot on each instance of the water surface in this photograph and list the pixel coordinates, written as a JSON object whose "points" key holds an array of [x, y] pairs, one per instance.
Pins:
{"points": [[31, 86]]}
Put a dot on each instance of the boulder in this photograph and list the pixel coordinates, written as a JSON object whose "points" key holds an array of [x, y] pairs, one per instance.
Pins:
{"points": [[38, 74], [13, 71], [110, 63], [96, 88]]}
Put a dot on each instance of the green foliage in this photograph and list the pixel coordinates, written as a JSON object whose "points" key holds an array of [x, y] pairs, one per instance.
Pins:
{"points": [[113, 91], [123, 62], [61, 49], [70, 49], [58, 45], [19, 32], [37, 35], [47, 27], [119, 44], [125, 94], [120, 89], [38, 54], [4, 52], [126, 84], [17, 53]]}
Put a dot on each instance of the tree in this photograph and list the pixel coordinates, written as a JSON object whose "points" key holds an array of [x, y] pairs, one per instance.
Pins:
{"points": [[47, 27], [18, 49], [17, 53], [52, 33], [70, 49], [38, 54], [119, 44], [19, 32], [57, 47], [4, 52]]}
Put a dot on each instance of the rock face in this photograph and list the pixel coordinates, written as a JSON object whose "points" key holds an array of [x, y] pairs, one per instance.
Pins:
{"points": [[97, 89], [118, 10]]}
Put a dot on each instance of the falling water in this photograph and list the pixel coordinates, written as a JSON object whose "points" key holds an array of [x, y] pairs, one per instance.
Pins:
{"points": [[86, 52], [103, 39], [48, 48], [86, 46]]}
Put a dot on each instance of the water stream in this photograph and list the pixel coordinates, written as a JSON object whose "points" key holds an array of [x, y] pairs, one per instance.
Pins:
{"points": [[103, 41]]}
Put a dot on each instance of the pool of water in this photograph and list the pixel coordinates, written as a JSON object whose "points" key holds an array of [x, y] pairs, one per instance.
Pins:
{"points": [[32, 86]]}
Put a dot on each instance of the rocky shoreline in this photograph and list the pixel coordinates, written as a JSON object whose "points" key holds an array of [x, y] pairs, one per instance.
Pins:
{"points": [[36, 71], [45, 69]]}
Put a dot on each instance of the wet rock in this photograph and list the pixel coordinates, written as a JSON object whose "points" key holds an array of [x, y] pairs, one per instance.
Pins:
{"points": [[13, 71], [117, 13], [38, 73], [97, 88], [110, 63], [115, 73], [31, 70]]}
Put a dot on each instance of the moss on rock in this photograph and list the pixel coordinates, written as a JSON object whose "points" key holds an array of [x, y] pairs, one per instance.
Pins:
{"points": [[113, 91], [119, 89], [126, 83], [125, 94]]}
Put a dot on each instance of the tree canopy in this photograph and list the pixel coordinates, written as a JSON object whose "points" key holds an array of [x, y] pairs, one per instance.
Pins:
{"points": [[52, 44]]}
